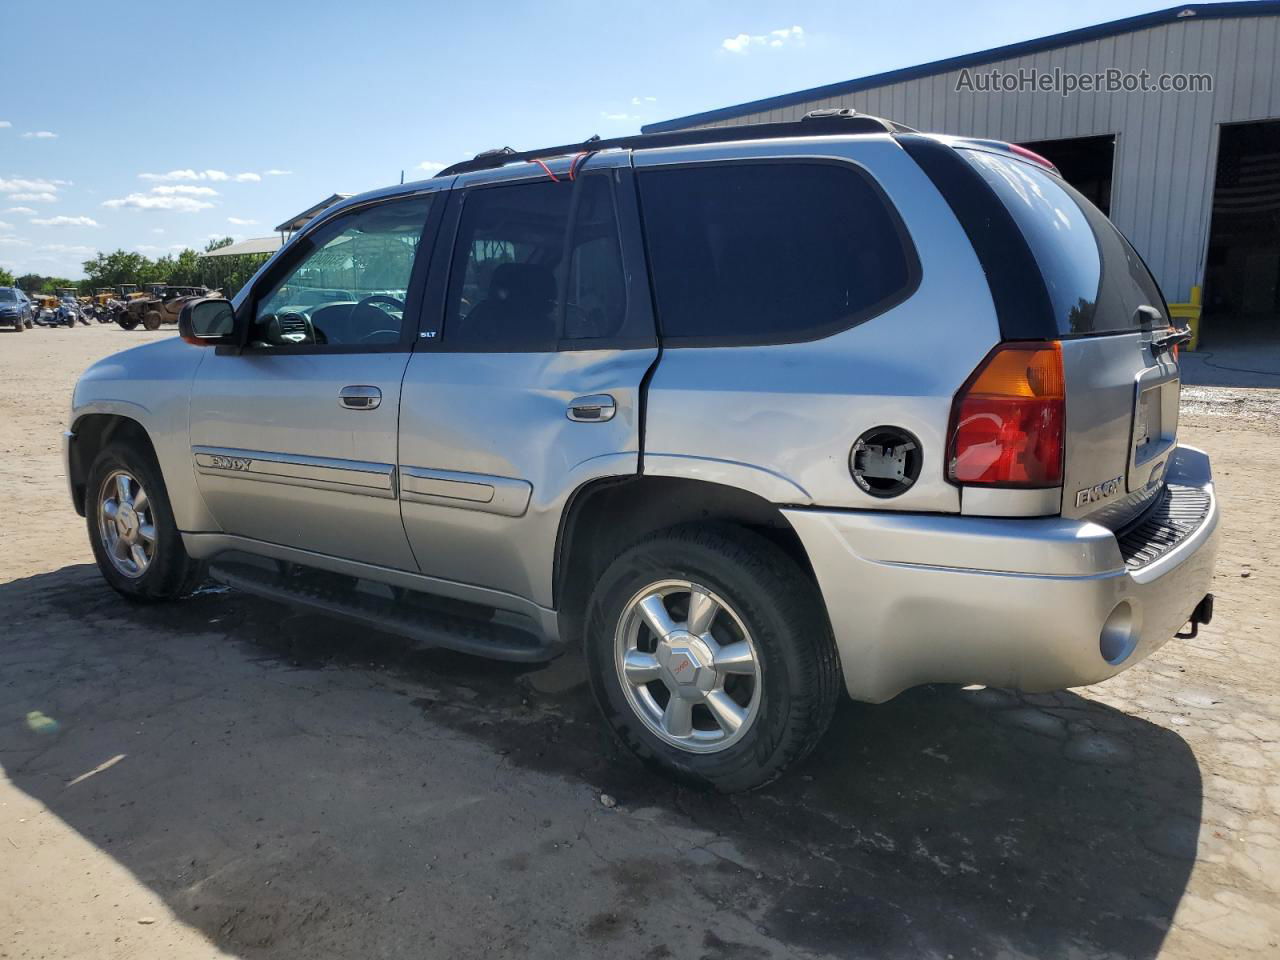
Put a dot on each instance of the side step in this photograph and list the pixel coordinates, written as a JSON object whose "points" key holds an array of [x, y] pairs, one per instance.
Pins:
{"points": [[417, 621]]}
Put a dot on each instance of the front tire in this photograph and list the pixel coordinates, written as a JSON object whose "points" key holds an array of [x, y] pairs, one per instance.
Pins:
{"points": [[131, 527], [711, 657]]}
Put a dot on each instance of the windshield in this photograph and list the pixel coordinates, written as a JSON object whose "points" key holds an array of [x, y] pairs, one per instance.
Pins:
{"points": [[7, 295], [1096, 280]]}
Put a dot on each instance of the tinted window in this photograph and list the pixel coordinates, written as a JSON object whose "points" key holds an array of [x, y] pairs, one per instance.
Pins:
{"points": [[1096, 281], [535, 264], [352, 282], [7, 295], [770, 252]]}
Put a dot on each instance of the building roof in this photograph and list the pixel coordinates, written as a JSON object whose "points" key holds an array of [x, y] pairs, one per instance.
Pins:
{"points": [[297, 223], [1198, 11], [253, 245]]}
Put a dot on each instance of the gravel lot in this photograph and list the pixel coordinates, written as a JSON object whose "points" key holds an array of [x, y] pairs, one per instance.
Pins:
{"points": [[224, 777]]}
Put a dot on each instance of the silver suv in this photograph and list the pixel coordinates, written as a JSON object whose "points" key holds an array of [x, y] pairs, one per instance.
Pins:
{"points": [[750, 415]]}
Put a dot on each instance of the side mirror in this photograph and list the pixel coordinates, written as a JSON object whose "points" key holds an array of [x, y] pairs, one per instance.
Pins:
{"points": [[207, 322]]}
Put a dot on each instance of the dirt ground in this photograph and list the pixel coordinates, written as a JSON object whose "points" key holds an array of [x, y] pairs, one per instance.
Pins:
{"points": [[222, 777]]}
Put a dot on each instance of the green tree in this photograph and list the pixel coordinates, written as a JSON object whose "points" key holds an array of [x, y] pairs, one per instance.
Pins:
{"points": [[122, 266], [6, 278]]}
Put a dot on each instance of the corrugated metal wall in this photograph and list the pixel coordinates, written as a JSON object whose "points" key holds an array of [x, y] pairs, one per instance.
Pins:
{"points": [[1166, 143]]}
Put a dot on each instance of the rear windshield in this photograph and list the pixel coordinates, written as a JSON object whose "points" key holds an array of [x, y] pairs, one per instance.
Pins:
{"points": [[1096, 280]]}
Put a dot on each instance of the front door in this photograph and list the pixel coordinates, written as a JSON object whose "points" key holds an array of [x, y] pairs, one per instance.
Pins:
{"points": [[293, 438], [532, 386]]}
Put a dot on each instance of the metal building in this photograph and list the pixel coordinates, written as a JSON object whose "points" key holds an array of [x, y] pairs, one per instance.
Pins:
{"points": [[1192, 176]]}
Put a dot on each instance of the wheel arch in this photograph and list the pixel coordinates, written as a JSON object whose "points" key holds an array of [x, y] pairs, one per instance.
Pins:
{"points": [[90, 434], [605, 516]]}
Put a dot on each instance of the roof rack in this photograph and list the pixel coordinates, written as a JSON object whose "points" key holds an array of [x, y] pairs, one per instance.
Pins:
{"points": [[815, 123]]}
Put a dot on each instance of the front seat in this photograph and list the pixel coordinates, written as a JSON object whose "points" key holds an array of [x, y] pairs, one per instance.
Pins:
{"points": [[520, 305]]}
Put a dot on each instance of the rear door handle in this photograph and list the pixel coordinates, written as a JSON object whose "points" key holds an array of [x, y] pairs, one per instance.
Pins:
{"points": [[359, 397], [596, 408]]}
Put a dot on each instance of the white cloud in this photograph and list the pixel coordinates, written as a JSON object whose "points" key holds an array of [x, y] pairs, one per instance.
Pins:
{"points": [[241, 223], [69, 249], [146, 201], [66, 222], [5, 226], [432, 166], [279, 173], [215, 176], [5, 123], [39, 135], [14, 242], [40, 185], [185, 188], [641, 101], [26, 210], [157, 229], [618, 117], [774, 38], [33, 197]]}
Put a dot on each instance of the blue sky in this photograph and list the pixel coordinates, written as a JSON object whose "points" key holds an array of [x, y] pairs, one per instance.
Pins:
{"points": [[153, 126]]}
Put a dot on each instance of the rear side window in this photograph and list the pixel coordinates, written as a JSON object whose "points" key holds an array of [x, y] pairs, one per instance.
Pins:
{"points": [[1096, 281], [770, 252], [537, 266]]}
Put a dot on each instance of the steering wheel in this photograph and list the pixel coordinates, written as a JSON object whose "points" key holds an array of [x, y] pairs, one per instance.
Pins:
{"points": [[373, 335], [378, 298]]}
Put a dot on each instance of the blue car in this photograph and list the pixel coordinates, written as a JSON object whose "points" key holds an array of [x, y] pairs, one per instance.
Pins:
{"points": [[15, 309]]}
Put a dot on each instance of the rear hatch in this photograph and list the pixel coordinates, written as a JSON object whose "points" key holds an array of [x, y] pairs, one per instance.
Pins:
{"points": [[1122, 386]]}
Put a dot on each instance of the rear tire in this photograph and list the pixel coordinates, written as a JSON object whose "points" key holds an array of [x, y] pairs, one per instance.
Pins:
{"points": [[152, 320], [762, 678], [136, 542]]}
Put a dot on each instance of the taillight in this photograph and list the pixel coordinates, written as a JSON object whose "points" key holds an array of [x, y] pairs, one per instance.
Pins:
{"points": [[1007, 420]]}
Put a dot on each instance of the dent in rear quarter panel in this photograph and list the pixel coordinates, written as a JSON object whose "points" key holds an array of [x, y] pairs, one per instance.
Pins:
{"points": [[152, 385], [788, 415]]}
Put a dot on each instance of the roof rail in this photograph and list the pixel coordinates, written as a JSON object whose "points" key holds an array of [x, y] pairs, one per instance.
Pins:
{"points": [[815, 123]]}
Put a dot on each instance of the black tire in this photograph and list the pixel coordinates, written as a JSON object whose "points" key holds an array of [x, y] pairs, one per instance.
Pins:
{"points": [[19, 327], [782, 609], [152, 320], [171, 572], [126, 321]]}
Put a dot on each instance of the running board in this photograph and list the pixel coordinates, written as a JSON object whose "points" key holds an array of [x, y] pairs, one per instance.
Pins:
{"points": [[430, 627]]}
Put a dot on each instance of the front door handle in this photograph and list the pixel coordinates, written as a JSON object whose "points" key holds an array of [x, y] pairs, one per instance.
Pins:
{"points": [[359, 397], [596, 408]]}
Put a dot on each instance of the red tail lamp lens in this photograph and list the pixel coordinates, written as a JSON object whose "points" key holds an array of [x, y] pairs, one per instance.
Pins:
{"points": [[1007, 420]]}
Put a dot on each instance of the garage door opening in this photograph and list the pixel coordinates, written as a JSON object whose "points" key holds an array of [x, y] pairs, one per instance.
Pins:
{"points": [[1242, 270], [1084, 162]]}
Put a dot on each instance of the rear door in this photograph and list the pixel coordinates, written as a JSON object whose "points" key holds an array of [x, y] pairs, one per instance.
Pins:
{"points": [[526, 383], [1122, 386]]}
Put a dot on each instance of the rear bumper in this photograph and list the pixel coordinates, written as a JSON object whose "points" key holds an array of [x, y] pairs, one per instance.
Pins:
{"points": [[1033, 604]]}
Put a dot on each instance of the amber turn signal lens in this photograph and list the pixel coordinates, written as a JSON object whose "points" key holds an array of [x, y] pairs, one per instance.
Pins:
{"points": [[1007, 421]]}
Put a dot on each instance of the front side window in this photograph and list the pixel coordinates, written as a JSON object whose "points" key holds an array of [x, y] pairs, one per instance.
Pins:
{"points": [[536, 265], [352, 283], [770, 252]]}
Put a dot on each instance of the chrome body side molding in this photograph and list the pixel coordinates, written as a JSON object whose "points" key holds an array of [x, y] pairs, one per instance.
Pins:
{"points": [[505, 496], [321, 473]]}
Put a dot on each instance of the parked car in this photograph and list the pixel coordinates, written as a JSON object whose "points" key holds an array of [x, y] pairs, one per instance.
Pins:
{"points": [[857, 409], [16, 309]]}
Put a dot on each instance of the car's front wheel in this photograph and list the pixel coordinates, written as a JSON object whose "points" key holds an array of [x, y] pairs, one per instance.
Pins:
{"points": [[711, 656], [131, 527]]}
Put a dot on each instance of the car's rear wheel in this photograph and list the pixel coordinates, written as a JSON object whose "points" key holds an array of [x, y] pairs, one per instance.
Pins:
{"points": [[131, 527], [710, 654]]}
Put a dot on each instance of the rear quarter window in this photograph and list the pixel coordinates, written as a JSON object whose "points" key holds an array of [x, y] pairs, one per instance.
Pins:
{"points": [[1095, 279], [770, 252]]}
